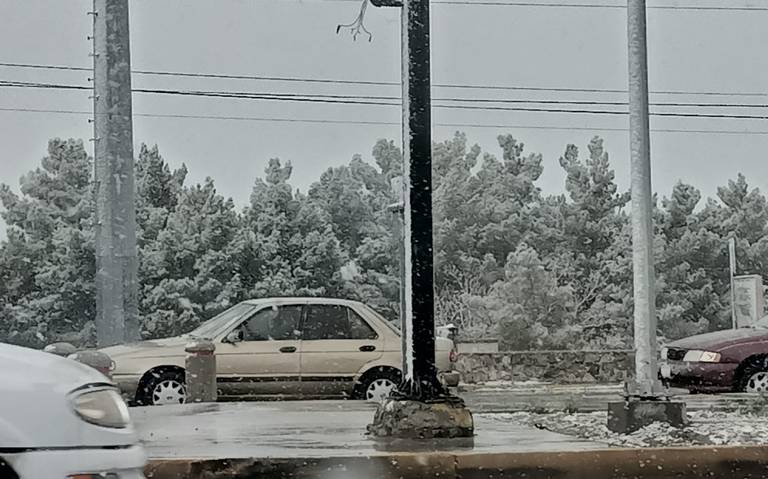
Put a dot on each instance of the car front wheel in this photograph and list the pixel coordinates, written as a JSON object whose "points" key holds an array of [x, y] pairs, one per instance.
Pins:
{"points": [[755, 377]]}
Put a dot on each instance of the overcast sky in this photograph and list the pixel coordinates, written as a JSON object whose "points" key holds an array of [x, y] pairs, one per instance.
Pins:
{"points": [[720, 51]]}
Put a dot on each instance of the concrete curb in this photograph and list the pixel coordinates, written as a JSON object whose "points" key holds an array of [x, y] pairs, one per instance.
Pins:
{"points": [[737, 462]]}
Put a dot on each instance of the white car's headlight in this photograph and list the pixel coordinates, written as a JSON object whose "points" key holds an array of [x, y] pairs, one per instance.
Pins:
{"points": [[698, 356], [103, 407]]}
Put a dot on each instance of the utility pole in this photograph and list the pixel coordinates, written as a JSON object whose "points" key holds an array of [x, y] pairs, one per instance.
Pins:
{"points": [[642, 208], [412, 411], [732, 269], [116, 257], [643, 403]]}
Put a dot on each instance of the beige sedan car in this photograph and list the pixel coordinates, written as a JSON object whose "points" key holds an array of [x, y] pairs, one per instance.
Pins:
{"points": [[279, 347]]}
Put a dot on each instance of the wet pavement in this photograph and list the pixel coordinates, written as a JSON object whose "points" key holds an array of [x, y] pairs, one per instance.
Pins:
{"points": [[315, 429], [332, 428]]}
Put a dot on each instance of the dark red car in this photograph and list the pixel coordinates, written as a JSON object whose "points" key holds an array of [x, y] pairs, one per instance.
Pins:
{"points": [[731, 360]]}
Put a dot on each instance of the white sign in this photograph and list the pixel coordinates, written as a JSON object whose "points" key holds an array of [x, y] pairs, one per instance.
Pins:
{"points": [[748, 299]]}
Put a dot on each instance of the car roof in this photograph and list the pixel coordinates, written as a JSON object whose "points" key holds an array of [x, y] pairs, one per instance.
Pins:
{"points": [[300, 299]]}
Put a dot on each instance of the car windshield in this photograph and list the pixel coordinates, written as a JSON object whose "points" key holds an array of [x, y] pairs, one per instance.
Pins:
{"points": [[210, 328]]}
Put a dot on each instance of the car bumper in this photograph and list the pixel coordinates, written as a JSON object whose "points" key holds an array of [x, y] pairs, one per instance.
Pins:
{"points": [[699, 376], [450, 379], [127, 384], [122, 463]]}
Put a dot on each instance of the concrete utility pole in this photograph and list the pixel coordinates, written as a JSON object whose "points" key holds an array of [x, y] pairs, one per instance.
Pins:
{"points": [[732, 269], [421, 406], [116, 258], [642, 207], [642, 406]]}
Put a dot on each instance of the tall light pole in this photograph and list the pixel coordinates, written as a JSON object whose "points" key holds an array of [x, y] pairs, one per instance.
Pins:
{"points": [[642, 207], [646, 401], [420, 389], [116, 257]]}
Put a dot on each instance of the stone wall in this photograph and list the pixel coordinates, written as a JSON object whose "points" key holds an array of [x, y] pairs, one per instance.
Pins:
{"points": [[566, 367]]}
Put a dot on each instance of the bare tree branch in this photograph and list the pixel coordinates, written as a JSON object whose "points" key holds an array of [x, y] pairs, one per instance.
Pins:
{"points": [[357, 27]]}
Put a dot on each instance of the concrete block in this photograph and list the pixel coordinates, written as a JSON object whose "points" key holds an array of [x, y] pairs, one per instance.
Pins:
{"points": [[397, 418], [629, 416], [201, 371]]}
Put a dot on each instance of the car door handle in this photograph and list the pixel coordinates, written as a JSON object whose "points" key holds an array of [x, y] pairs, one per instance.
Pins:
{"points": [[288, 349], [368, 348]]}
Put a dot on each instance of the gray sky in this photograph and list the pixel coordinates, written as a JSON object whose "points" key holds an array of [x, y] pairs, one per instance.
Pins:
{"points": [[490, 45]]}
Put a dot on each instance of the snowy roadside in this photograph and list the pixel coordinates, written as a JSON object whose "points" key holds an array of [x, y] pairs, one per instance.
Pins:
{"points": [[706, 428]]}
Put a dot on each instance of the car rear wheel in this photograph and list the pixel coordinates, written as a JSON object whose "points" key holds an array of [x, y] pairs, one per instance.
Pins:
{"points": [[376, 386], [165, 387], [755, 377]]}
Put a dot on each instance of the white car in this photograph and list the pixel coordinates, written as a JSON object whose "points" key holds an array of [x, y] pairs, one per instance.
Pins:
{"points": [[62, 419]]}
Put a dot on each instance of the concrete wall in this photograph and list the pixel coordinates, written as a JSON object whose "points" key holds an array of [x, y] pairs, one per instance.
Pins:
{"points": [[490, 346], [567, 367]]}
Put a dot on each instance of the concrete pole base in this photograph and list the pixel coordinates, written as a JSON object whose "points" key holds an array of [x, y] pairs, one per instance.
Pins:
{"points": [[628, 416], [406, 419]]}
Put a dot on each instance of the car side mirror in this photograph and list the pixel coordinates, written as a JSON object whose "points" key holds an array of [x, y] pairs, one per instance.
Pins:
{"points": [[234, 337]]}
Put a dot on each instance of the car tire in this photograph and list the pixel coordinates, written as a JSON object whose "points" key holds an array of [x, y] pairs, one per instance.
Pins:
{"points": [[163, 387], [754, 376], [376, 384]]}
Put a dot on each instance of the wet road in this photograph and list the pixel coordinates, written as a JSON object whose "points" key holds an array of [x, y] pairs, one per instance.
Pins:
{"points": [[313, 429]]}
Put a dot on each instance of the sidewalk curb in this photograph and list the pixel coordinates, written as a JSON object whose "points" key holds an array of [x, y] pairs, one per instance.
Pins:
{"points": [[737, 462]]}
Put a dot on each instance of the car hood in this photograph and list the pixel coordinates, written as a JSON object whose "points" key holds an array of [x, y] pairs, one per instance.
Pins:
{"points": [[25, 365], [719, 339], [156, 347]]}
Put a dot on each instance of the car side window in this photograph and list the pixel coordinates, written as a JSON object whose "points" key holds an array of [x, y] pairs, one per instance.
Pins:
{"points": [[276, 323], [359, 328], [332, 321]]}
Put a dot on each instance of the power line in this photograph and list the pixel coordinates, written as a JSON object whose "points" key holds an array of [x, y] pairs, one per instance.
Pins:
{"points": [[596, 5], [510, 3], [258, 95], [380, 83], [366, 102], [381, 123]]}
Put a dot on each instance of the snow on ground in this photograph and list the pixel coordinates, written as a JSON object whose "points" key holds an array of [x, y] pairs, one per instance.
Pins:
{"points": [[705, 428]]}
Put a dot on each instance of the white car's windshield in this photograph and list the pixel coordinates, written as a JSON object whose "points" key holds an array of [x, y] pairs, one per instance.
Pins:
{"points": [[211, 327]]}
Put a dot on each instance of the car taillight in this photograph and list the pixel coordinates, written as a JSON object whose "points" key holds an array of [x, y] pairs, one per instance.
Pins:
{"points": [[453, 356]]}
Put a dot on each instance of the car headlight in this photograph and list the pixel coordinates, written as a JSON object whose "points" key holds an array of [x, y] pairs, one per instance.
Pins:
{"points": [[697, 356], [663, 353], [103, 407]]}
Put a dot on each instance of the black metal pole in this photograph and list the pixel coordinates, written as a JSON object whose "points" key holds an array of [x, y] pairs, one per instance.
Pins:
{"points": [[420, 380]]}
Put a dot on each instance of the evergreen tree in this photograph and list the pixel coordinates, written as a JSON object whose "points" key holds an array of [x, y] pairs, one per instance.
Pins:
{"points": [[48, 258]]}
